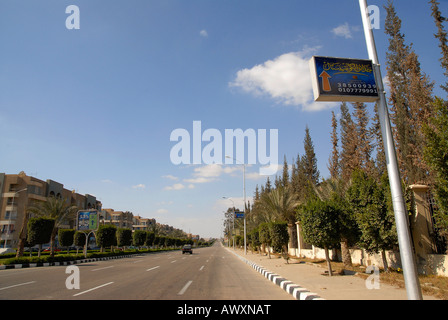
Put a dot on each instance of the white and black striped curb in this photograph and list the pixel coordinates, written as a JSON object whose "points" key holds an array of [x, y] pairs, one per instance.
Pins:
{"points": [[298, 292], [61, 263]]}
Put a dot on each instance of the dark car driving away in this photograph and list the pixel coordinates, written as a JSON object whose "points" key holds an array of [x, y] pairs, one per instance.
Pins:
{"points": [[187, 248]]}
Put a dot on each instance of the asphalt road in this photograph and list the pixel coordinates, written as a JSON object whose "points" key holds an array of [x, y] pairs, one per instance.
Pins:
{"points": [[208, 274]]}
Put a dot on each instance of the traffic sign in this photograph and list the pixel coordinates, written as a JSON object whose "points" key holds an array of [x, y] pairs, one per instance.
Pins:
{"points": [[239, 215], [340, 79], [87, 220]]}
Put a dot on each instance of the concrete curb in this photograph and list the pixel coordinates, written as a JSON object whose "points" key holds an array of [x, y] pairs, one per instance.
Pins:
{"points": [[298, 292], [61, 263]]}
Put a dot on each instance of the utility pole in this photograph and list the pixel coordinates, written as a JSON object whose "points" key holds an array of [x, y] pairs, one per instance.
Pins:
{"points": [[404, 238]]}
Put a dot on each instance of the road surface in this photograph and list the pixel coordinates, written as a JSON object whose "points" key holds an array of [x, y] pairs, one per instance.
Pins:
{"points": [[208, 274]]}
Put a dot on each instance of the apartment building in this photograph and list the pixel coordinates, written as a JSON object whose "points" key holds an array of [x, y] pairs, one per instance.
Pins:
{"points": [[120, 219], [145, 224], [20, 191]]}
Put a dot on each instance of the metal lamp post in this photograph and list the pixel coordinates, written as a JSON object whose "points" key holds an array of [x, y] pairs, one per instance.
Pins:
{"points": [[404, 239], [244, 197]]}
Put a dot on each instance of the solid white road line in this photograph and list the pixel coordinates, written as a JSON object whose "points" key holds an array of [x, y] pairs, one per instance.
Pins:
{"points": [[181, 292], [17, 285], [103, 285]]}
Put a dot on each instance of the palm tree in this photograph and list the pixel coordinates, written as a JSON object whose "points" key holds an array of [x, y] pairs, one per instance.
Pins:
{"points": [[280, 204], [55, 208]]}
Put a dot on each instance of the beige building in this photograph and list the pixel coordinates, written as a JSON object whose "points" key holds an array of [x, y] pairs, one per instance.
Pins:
{"points": [[145, 224], [119, 219], [20, 191]]}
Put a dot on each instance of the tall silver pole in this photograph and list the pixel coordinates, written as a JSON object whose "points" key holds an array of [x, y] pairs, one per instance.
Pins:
{"points": [[244, 192], [404, 238]]}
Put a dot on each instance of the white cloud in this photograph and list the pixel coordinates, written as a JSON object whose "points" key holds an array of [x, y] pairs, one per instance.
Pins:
{"points": [[286, 79], [199, 180], [210, 173], [343, 31], [203, 33], [170, 177], [224, 203], [162, 211], [177, 186], [139, 186]]}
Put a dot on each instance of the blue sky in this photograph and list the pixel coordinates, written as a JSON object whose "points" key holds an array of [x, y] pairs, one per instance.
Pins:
{"points": [[94, 108]]}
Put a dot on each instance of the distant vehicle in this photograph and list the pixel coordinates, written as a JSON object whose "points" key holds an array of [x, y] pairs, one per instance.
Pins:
{"points": [[187, 248]]}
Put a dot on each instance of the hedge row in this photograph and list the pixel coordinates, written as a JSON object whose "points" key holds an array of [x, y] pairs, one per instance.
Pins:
{"points": [[72, 257]]}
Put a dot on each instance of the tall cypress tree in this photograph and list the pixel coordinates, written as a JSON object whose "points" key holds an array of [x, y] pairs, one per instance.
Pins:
{"points": [[285, 174], [333, 161], [410, 100], [378, 145], [349, 144], [441, 35], [364, 137], [309, 160]]}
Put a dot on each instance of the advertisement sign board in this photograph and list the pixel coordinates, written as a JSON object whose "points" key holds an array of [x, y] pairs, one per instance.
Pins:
{"points": [[340, 79], [87, 220]]}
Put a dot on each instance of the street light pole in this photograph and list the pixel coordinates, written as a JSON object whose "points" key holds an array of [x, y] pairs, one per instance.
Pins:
{"points": [[244, 197], [404, 239]]}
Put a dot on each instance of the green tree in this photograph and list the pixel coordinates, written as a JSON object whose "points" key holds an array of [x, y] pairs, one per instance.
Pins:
{"points": [[139, 238], [349, 144], [334, 190], [441, 35], [364, 135], [79, 240], [66, 238], [124, 237], [106, 236], [150, 237], [320, 225], [39, 231], [279, 236], [436, 156], [309, 160], [333, 161], [265, 237], [373, 211], [410, 100], [380, 161], [254, 239]]}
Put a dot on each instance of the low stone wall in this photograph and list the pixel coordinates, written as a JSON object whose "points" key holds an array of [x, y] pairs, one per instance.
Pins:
{"points": [[436, 264], [432, 264]]}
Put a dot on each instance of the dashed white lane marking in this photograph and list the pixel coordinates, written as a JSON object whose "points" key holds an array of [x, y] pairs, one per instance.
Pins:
{"points": [[181, 292], [103, 285]]}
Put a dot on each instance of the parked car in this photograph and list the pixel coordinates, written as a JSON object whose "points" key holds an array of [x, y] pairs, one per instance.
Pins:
{"points": [[187, 248]]}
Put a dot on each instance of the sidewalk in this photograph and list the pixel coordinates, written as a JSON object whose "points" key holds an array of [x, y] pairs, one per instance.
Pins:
{"points": [[307, 281]]}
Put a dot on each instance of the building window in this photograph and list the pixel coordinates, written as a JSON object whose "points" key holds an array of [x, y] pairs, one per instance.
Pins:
{"points": [[10, 215]]}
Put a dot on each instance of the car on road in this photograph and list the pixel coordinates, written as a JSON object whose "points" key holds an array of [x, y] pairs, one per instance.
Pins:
{"points": [[187, 248]]}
